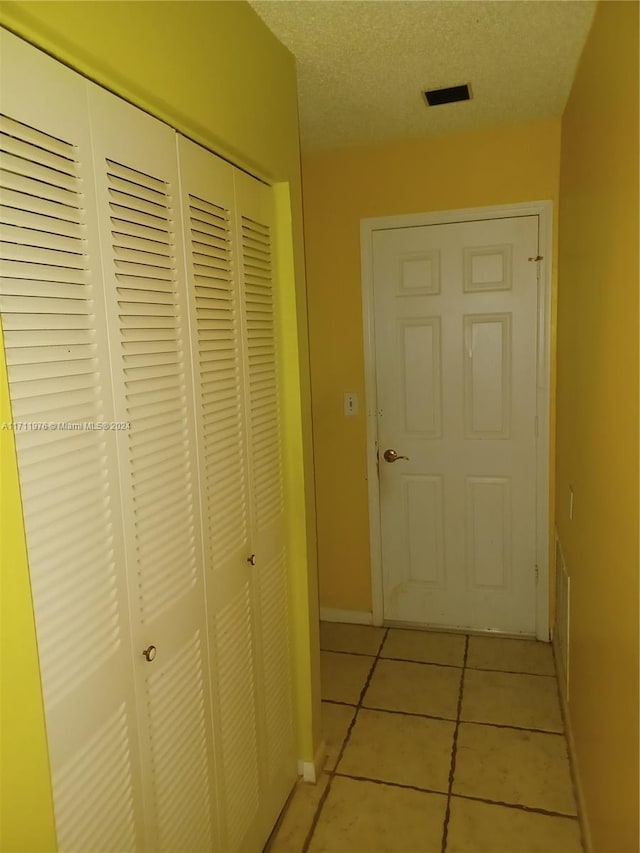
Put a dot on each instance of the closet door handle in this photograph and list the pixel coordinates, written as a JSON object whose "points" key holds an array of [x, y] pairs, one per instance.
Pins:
{"points": [[149, 653], [251, 559]]}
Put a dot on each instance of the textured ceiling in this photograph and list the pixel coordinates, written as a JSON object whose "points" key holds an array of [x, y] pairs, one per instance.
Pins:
{"points": [[363, 64]]}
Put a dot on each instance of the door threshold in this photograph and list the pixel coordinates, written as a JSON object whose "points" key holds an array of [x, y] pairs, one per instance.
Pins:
{"points": [[480, 632]]}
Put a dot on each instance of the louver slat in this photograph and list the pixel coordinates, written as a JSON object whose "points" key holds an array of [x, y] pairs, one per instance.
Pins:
{"points": [[40, 205], [152, 365], [41, 183], [264, 401]]}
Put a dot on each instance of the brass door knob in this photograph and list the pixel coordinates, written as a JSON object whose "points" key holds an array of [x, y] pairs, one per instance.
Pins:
{"points": [[149, 653], [251, 559], [391, 455]]}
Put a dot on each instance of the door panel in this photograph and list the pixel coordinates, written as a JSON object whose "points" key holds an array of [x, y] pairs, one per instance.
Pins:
{"points": [[58, 366], [137, 191], [424, 512], [421, 377], [487, 376], [456, 337], [208, 205], [233, 318], [263, 351], [488, 526]]}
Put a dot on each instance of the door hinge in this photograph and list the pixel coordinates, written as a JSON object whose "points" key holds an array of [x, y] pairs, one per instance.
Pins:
{"points": [[536, 261], [537, 571]]}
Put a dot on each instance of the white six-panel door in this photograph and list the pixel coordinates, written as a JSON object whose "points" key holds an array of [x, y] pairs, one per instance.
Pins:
{"points": [[456, 342]]}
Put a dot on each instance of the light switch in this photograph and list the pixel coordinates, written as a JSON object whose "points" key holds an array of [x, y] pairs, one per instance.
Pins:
{"points": [[350, 404]]}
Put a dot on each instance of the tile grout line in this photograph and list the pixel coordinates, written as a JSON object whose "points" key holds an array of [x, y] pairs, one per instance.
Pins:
{"points": [[332, 773], [385, 782], [452, 720], [447, 665], [454, 749], [344, 652], [510, 671], [518, 806], [501, 803]]}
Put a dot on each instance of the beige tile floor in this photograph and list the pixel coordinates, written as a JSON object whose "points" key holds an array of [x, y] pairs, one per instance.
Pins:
{"points": [[435, 743]]}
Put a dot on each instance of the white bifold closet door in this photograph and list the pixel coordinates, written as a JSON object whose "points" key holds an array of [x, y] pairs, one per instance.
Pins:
{"points": [[263, 353], [57, 349], [137, 194], [139, 312], [228, 226]]}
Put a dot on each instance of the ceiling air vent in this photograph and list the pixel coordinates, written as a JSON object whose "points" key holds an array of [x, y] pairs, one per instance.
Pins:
{"points": [[450, 95]]}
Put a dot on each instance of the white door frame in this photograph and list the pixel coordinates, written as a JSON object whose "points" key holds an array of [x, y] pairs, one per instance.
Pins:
{"points": [[544, 210]]}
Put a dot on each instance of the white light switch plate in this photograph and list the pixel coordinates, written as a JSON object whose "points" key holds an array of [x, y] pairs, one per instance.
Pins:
{"points": [[350, 404]]}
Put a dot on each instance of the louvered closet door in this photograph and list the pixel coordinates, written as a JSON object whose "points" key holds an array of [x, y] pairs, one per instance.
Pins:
{"points": [[258, 285], [58, 365], [139, 217], [212, 269]]}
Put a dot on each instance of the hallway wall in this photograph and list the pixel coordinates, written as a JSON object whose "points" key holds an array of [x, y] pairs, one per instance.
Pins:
{"points": [[597, 419], [499, 166]]}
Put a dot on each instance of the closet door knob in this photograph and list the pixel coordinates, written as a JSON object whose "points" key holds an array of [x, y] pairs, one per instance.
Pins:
{"points": [[251, 559], [150, 653]]}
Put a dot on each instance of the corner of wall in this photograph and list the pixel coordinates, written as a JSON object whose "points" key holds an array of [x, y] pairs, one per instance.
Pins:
{"points": [[300, 494]]}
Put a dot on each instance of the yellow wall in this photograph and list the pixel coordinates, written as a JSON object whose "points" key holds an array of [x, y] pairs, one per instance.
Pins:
{"points": [[26, 808], [597, 416], [501, 166], [215, 72]]}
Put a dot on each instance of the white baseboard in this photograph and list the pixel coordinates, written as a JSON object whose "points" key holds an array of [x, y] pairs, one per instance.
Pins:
{"points": [[573, 758], [355, 617], [310, 770]]}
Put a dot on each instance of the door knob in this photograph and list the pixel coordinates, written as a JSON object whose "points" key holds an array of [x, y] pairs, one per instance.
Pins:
{"points": [[251, 560], [391, 455], [149, 653]]}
